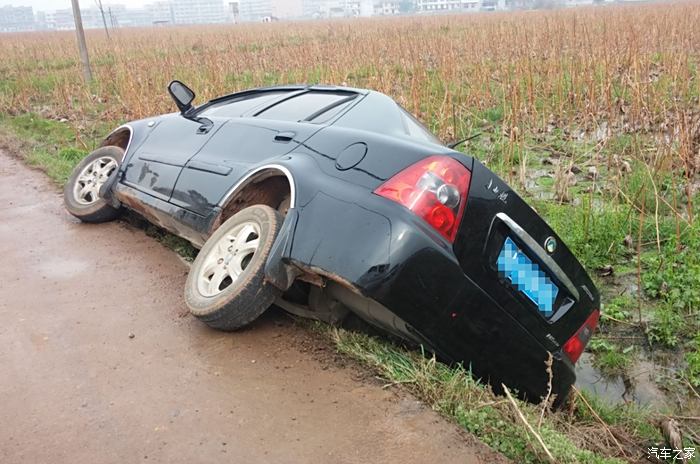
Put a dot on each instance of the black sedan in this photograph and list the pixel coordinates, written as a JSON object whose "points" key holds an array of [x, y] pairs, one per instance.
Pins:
{"points": [[330, 201]]}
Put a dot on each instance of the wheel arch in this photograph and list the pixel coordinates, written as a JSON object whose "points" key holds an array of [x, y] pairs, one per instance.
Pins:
{"points": [[120, 137], [270, 185]]}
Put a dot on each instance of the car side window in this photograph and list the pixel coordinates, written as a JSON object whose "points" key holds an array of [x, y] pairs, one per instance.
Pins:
{"points": [[237, 107], [303, 106]]}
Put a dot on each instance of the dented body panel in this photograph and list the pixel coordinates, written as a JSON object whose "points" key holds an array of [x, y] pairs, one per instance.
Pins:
{"points": [[364, 251]]}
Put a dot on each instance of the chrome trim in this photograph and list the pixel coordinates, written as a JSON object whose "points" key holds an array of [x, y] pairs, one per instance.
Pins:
{"points": [[131, 136], [243, 182], [539, 252]]}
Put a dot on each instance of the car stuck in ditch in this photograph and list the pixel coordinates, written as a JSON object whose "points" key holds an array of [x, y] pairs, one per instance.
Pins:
{"points": [[329, 201]]}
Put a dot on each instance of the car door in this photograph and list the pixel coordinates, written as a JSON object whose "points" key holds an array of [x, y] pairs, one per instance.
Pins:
{"points": [[246, 143], [157, 163]]}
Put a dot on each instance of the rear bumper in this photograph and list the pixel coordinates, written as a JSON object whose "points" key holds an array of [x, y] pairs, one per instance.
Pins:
{"points": [[384, 253]]}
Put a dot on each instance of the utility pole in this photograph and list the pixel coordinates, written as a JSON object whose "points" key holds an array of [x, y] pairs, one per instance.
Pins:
{"points": [[104, 20], [82, 46]]}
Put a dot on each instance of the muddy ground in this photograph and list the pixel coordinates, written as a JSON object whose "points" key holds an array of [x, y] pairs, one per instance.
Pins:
{"points": [[100, 362]]}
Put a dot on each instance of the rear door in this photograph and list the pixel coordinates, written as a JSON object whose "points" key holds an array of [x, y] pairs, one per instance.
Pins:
{"points": [[245, 143]]}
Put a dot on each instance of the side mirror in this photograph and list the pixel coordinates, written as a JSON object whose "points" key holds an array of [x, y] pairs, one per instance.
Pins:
{"points": [[182, 95]]}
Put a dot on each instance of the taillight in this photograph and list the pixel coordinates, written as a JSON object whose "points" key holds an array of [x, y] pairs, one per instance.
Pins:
{"points": [[435, 189], [575, 345]]}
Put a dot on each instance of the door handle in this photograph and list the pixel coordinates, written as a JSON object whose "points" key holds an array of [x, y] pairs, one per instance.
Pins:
{"points": [[284, 137]]}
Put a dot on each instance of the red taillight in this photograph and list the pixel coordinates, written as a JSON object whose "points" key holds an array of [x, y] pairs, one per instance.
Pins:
{"points": [[435, 189], [575, 345]]}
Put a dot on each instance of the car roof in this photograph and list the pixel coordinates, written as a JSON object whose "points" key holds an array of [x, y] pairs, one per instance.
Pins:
{"points": [[288, 88], [374, 109]]}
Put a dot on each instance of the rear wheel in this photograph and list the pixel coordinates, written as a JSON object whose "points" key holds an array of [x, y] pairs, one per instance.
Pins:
{"points": [[226, 286], [81, 194]]}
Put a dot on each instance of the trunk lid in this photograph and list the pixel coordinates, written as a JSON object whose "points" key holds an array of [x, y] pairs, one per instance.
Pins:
{"points": [[507, 249]]}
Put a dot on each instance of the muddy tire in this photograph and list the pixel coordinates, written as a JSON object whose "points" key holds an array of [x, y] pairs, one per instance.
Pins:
{"points": [[226, 286], [81, 192]]}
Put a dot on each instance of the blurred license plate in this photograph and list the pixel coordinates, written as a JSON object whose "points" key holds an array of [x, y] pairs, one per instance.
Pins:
{"points": [[527, 277]]}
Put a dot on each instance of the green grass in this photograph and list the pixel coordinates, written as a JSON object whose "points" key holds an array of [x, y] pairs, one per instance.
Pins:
{"points": [[693, 360], [618, 308], [453, 392], [609, 357], [594, 233], [673, 279], [49, 145], [178, 244]]}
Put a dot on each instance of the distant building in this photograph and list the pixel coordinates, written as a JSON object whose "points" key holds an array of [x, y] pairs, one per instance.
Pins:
{"points": [[161, 12], [233, 11], [136, 17], [387, 8], [338, 8], [92, 17], [437, 6], [16, 18], [172, 12], [255, 10], [267, 10], [198, 11], [40, 21], [287, 9], [61, 20]]}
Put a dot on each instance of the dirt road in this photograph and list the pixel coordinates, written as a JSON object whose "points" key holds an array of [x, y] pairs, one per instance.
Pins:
{"points": [[76, 388]]}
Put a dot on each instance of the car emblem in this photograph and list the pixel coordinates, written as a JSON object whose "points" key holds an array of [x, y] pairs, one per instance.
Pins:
{"points": [[550, 244]]}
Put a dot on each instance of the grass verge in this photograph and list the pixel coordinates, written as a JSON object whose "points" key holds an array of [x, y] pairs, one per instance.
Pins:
{"points": [[46, 144], [589, 431]]}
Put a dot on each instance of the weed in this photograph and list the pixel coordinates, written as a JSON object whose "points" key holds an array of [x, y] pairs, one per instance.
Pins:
{"points": [[609, 357], [618, 308], [693, 360]]}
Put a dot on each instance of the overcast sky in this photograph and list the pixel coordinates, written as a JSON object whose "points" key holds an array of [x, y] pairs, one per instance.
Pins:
{"points": [[48, 5]]}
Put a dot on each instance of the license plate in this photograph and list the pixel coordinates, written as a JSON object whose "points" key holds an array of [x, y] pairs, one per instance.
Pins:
{"points": [[527, 277]]}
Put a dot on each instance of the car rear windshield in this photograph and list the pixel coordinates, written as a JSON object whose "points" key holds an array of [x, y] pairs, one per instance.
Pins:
{"points": [[381, 114], [308, 106], [414, 128]]}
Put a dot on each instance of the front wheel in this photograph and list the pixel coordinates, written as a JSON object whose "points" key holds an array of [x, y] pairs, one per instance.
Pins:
{"points": [[81, 194], [226, 286]]}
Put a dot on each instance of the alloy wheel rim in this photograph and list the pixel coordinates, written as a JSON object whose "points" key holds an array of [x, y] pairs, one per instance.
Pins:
{"points": [[86, 190], [228, 259]]}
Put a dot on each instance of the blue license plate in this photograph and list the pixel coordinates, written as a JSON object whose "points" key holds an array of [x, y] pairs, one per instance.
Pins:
{"points": [[526, 276]]}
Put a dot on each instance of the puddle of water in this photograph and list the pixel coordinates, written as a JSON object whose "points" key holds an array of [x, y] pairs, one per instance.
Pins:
{"points": [[639, 384]]}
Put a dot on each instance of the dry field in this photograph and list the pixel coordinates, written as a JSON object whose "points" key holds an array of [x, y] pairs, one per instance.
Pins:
{"points": [[632, 68]]}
